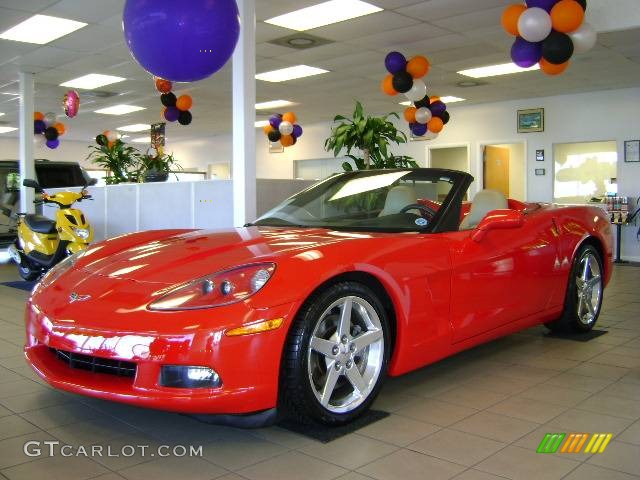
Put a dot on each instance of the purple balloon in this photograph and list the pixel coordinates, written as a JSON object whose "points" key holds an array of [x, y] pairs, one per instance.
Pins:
{"points": [[171, 114], [395, 62], [418, 129], [297, 130], [275, 120], [181, 41], [544, 4], [39, 126], [526, 54], [53, 144], [437, 108]]}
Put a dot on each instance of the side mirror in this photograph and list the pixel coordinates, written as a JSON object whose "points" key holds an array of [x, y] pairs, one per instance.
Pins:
{"points": [[27, 182], [89, 182], [498, 220]]}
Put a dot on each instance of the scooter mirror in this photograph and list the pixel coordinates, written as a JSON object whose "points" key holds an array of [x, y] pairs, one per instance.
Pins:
{"points": [[27, 182], [92, 182]]}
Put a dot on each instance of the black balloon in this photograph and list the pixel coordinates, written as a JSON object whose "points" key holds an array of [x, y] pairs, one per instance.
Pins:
{"points": [[101, 140], [583, 4], [425, 102], [168, 99], [185, 117], [402, 81], [274, 136], [445, 117], [557, 48], [51, 133]]}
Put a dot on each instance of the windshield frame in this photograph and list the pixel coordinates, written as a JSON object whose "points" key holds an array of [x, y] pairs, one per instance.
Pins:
{"points": [[446, 219]]}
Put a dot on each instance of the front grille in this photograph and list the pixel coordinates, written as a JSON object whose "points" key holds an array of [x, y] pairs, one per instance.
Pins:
{"points": [[96, 364]]}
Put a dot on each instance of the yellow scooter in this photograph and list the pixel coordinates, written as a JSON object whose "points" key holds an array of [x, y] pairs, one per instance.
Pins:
{"points": [[42, 242]]}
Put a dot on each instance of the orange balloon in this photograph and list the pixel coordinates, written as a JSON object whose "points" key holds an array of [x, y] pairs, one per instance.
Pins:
{"points": [[418, 66], [268, 128], [60, 128], [435, 125], [286, 140], [163, 86], [110, 144], [551, 68], [567, 16], [289, 117], [410, 114], [184, 103], [434, 99], [510, 18], [38, 116], [387, 86]]}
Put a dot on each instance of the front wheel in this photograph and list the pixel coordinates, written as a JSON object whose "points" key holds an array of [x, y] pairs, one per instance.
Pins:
{"points": [[27, 273], [336, 355], [584, 293]]}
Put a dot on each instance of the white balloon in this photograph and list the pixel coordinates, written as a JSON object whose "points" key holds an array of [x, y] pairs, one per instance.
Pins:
{"points": [[534, 24], [39, 141], [286, 128], [584, 39], [49, 119], [423, 115], [418, 91], [112, 136]]}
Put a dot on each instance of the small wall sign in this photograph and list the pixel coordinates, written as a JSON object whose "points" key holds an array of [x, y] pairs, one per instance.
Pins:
{"points": [[540, 172], [539, 155]]}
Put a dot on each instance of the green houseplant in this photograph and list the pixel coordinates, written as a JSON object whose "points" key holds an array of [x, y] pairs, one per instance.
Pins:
{"points": [[371, 136], [156, 168], [121, 159]]}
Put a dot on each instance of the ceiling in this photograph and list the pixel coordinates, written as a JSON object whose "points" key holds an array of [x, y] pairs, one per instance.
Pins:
{"points": [[454, 34]]}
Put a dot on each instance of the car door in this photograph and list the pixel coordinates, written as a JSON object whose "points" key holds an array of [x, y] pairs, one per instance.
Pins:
{"points": [[508, 275]]}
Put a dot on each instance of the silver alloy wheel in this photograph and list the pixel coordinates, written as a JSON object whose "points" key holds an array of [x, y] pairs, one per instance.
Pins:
{"points": [[588, 288], [346, 354]]}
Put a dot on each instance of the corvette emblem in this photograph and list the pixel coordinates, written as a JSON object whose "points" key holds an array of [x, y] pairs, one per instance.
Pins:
{"points": [[74, 297]]}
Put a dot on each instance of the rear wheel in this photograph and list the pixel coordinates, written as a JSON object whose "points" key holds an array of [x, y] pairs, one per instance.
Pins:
{"points": [[584, 293], [336, 355]]}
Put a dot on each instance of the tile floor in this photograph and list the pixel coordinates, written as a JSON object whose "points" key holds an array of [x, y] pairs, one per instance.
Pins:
{"points": [[479, 415]]}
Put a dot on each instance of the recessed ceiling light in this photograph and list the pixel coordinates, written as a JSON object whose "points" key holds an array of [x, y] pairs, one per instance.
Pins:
{"points": [[452, 99], [290, 73], [141, 140], [7, 129], [41, 29], [495, 70], [273, 104], [261, 123], [138, 127], [325, 13], [120, 110], [92, 81]]}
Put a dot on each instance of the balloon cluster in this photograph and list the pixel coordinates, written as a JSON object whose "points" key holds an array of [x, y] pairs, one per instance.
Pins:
{"points": [[71, 103], [175, 108], [283, 129], [427, 117], [406, 76], [48, 126], [108, 138], [548, 32]]}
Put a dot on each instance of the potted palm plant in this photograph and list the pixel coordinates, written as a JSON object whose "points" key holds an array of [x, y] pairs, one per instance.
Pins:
{"points": [[369, 136], [119, 158]]}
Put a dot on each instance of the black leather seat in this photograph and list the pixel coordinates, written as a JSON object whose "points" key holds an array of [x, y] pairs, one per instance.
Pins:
{"points": [[40, 224]]}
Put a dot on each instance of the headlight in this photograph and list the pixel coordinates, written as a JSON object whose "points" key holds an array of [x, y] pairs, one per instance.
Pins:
{"points": [[215, 290], [53, 274], [83, 233]]}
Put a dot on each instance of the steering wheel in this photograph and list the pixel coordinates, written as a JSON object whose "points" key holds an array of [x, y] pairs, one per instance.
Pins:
{"points": [[426, 212]]}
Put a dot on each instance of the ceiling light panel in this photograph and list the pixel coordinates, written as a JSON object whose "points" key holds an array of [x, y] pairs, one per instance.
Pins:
{"points": [[290, 73], [41, 29], [141, 140], [92, 81], [7, 129], [452, 99], [119, 110], [261, 123], [138, 127], [495, 70], [273, 104], [325, 13]]}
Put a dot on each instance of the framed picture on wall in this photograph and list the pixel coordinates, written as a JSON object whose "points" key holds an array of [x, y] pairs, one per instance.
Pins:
{"points": [[531, 120], [632, 151]]}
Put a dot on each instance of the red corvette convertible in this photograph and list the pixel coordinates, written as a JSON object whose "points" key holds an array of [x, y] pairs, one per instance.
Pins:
{"points": [[305, 311]]}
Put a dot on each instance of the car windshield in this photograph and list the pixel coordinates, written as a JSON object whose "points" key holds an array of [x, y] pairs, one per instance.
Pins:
{"points": [[376, 200]]}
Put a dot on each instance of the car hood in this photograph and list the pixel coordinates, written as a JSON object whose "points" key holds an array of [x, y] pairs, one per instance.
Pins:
{"points": [[186, 256]]}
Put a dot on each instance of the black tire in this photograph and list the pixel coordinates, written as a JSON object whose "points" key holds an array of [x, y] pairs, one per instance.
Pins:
{"points": [[27, 273], [571, 321], [299, 392]]}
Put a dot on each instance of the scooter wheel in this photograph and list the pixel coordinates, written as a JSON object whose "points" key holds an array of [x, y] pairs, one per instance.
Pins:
{"points": [[27, 273]]}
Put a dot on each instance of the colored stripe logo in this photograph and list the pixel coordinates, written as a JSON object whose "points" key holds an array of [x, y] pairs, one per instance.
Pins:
{"points": [[574, 443]]}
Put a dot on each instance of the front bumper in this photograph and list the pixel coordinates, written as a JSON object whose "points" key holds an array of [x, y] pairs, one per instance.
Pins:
{"points": [[248, 365]]}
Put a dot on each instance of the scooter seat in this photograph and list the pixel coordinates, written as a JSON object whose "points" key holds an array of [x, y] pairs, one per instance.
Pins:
{"points": [[40, 224]]}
